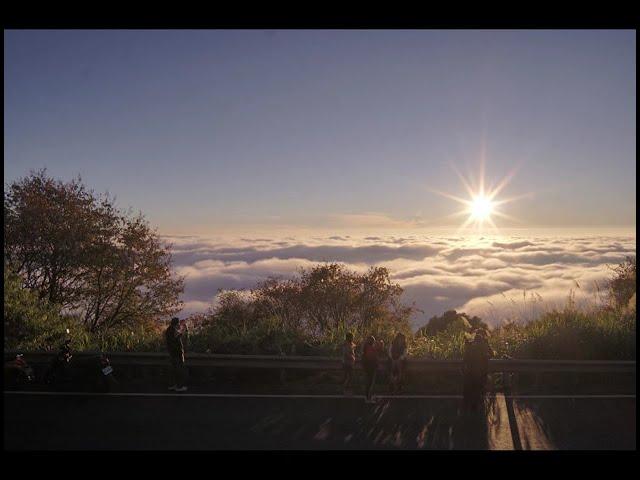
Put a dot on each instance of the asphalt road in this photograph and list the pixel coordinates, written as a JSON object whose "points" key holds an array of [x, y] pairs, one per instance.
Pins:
{"points": [[63, 421]]}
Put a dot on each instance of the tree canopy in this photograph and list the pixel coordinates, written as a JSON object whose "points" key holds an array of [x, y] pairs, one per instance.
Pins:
{"points": [[76, 249], [319, 304]]}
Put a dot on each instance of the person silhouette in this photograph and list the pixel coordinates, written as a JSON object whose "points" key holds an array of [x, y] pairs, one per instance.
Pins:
{"points": [[476, 367], [175, 347], [348, 361]]}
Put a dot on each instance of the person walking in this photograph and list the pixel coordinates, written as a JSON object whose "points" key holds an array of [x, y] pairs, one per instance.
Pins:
{"points": [[175, 347]]}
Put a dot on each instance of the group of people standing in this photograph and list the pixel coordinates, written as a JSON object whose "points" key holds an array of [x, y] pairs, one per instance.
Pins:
{"points": [[375, 360]]}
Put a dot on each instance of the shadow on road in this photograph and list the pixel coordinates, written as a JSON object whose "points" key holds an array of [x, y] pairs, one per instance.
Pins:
{"points": [[576, 423], [388, 424], [221, 423]]}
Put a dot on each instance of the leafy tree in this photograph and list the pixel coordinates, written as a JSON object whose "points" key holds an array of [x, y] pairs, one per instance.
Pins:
{"points": [[29, 322], [234, 311], [48, 226], [329, 295], [622, 286], [318, 305], [77, 250], [129, 278], [281, 300]]}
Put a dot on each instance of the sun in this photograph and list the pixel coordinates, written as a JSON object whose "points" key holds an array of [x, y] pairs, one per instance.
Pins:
{"points": [[482, 203], [481, 208]]}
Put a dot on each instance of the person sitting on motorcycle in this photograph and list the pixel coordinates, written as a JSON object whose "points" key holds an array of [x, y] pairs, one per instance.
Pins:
{"points": [[17, 371]]}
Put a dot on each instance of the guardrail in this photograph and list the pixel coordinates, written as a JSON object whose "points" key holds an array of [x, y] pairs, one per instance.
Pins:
{"points": [[332, 363]]}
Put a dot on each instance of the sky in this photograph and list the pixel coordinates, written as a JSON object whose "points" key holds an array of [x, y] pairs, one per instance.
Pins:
{"points": [[257, 153], [232, 131]]}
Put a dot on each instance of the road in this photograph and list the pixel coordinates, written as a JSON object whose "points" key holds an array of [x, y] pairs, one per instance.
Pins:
{"points": [[152, 421]]}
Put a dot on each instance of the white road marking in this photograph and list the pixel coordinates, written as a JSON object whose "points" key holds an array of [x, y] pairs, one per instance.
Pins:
{"points": [[259, 395]]}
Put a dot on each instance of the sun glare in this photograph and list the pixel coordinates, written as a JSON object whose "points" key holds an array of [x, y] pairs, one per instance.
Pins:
{"points": [[481, 208], [482, 203]]}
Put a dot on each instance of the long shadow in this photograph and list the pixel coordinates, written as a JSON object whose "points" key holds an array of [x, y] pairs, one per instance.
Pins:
{"points": [[394, 424], [513, 421], [579, 423], [241, 423]]}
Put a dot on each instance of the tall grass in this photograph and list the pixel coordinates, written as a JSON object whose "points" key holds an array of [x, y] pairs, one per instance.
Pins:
{"points": [[575, 331], [570, 334]]}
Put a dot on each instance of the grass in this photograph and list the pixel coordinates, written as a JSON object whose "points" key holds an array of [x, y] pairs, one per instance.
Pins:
{"points": [[570, 334]]}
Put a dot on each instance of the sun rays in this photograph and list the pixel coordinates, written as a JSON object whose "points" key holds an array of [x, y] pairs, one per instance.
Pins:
{"points": [[482, 203]]}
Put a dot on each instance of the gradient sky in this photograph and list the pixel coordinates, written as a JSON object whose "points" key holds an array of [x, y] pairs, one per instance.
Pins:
{"points": [[212, 131]]}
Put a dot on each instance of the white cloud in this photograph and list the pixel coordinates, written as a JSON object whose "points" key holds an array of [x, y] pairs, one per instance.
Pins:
{"points": [[485, 276]]}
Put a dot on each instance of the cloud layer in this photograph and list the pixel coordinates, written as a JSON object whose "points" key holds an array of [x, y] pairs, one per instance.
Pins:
{"points": [[494, 277]]}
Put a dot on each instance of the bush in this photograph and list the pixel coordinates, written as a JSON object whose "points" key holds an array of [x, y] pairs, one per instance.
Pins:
{"points": [[599, 334], [450, 321], [29, 322], [622, 286], [308, 314]]}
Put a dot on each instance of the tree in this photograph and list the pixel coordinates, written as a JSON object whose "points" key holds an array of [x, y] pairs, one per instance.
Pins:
{"points": [[320, 303], [29, 322], [48, 225], [280, 299], [328, 295], [622, 286], [378, 299], [234, 311], [128, 279], [77, 250]]}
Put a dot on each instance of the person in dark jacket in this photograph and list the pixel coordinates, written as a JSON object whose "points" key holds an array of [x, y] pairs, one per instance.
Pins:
{"points": [[173, 337], [476, 367]]}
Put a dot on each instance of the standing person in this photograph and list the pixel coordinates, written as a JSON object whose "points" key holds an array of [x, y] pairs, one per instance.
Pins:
{"points": [[348, 361], [476, 367], [370, 366], [173, 337], [384, 361], [398, 354]]}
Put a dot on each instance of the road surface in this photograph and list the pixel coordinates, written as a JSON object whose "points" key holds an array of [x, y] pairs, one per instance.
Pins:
{"points": [[152, 421]]}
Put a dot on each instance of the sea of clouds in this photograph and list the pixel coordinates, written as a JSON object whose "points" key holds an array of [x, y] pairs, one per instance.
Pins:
{"points": [[496, 277]]}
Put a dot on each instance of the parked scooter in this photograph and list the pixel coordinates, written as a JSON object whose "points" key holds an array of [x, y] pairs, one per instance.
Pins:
{"points": [[17, 372], [66, 372]]}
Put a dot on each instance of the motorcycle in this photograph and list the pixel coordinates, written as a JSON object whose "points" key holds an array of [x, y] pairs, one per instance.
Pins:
{"points": [[17, 372], [93, 373]]}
